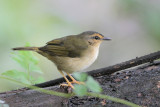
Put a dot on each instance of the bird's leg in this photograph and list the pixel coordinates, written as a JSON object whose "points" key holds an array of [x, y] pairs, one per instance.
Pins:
{"points": [[73, 80], [68, 83]]}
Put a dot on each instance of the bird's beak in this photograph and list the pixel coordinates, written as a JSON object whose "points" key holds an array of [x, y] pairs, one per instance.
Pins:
{"points": [[106, 38]]}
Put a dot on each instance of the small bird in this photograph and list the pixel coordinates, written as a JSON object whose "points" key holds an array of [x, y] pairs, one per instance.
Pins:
{"points": [[71, 53]]}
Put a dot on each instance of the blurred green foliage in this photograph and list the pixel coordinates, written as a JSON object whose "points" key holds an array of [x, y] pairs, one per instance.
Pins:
{"points": [[90, 84], [29, 63], [24, 21], [147, 12]]}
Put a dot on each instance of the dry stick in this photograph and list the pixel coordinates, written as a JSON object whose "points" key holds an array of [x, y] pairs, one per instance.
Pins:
{"points": [[111, 69]]}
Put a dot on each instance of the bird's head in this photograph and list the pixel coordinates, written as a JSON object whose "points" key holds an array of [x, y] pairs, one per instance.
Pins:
{"points": [[93, 38]]}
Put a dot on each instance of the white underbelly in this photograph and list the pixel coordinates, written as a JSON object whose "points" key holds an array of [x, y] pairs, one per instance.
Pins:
{"points": [[71, 65]]}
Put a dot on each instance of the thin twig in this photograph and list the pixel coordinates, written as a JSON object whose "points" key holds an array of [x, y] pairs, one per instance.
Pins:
{"points": [[50, 92], [112, 99]]}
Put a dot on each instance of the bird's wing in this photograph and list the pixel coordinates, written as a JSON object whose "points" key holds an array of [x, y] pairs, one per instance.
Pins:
{"points": [[56, 42], [65, 47]]}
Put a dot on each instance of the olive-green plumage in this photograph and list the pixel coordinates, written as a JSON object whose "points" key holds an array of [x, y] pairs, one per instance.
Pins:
{"points": [[70, 46], [71, 53]]}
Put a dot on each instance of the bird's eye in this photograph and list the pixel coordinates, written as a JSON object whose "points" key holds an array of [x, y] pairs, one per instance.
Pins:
{"points": [[97, 37]]}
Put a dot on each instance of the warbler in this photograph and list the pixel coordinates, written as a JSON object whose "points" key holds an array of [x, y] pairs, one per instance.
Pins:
{"points": [[72, 53]]}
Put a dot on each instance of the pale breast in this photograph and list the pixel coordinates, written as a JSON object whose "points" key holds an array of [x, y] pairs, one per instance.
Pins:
{"points": [[71, 65]]}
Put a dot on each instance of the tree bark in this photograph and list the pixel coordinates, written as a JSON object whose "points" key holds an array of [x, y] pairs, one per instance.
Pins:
{"points": [[140, 85]]}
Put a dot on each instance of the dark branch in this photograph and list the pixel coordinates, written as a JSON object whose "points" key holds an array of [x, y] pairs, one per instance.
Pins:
{"points": [[111, 69]]}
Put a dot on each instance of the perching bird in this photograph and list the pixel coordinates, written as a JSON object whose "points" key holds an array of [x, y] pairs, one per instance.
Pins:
{"points": [[71, 53]]}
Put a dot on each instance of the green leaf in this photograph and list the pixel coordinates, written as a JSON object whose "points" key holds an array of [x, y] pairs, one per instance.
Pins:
{"points": [[93, 85], [39, 80], [18, 58], [15, 74], [24, 58], [34, 68], [26, 81], [80, 90], [29, 62], [80, 76]]}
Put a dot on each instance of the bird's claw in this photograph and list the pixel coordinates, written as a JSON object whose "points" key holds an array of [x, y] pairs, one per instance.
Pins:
{"points": [[67, 85]]}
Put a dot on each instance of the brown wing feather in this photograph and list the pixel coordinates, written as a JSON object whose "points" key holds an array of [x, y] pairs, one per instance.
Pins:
{"points": [[54, 50], [55, 42], [66, 47]]}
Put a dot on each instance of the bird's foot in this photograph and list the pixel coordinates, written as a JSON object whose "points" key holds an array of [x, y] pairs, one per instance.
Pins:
{"points": [[68, 85], [77, 82]]}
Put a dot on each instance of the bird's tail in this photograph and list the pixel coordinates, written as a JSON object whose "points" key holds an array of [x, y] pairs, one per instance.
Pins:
{"points": [[27, 48]]}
